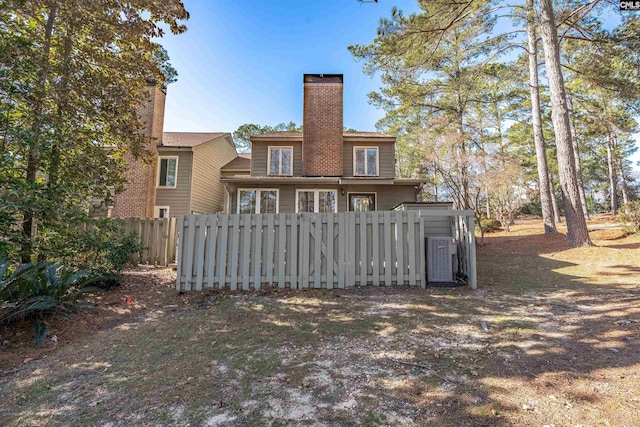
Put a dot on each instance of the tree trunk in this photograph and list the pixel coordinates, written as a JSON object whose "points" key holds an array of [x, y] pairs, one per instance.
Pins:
{"points": [[576, 156], [623, 185], [613, 178], [538, 137], [36, 128], [577, 232], [554, 202]]}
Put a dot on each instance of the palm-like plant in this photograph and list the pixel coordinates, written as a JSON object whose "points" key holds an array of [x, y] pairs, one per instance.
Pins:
{"points": [[32, 290]]}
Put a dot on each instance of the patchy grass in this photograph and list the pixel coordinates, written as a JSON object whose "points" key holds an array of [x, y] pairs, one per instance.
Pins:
{"points": [[551, 337]]}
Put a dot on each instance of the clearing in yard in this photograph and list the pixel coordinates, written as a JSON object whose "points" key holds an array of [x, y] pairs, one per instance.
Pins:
{"points": [[550, 338]]}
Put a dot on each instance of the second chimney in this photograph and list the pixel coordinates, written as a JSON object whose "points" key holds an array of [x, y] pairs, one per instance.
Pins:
{"points": [[322, 125]]}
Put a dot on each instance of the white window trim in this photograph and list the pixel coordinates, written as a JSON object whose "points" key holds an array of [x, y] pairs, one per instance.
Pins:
{"points": [[158, 174], [366, 147], [156, 212], [316, 197], [375, 206], [278, 147], [258, 190]]}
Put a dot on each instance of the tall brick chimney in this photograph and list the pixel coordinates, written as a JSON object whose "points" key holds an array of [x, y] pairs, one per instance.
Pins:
{"points": [[322, 125], [139, 198]]}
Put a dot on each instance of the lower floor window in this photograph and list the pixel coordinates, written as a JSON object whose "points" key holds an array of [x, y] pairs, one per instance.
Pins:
{"points": [[162, 211], [316, 201], [256, 201], [362, 202]]}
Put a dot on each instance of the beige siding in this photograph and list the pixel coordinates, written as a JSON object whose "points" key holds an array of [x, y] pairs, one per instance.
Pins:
{"points": [[386, 152], [386, 196], [177, 198], [207, 192], [259, 156]]}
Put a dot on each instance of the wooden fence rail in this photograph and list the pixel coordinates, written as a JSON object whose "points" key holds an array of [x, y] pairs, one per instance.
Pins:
{"points": [[327, 250], [158, 237]]}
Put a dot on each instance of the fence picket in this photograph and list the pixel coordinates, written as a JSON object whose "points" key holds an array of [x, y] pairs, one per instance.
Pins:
{"points": [[317, 251], [257, 253], [188, 245], [342, 249], [246, 250], [282, 245], [270, 248], [235, 249], [304, 238], [224, 252], [292, 259], [210, 247]]}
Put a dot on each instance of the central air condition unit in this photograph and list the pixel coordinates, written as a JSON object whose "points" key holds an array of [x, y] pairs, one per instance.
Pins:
{"points": [[440, 252]]}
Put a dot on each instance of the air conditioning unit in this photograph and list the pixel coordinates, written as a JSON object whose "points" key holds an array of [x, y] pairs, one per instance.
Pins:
{"points": [[440, 251]]}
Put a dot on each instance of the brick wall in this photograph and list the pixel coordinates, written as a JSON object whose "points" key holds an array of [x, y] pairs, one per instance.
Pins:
{"points": [[138, 199], [322, 125]]}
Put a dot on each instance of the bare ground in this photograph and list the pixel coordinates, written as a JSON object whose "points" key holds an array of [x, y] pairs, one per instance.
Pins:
{"points": [[550, 338]]}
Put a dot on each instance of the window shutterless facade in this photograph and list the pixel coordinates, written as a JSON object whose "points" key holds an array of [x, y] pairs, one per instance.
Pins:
{"points": [[258, 200], [167, 172], [280, 161], [313, 200], [361, 202], [365, 161], [162, 212]]}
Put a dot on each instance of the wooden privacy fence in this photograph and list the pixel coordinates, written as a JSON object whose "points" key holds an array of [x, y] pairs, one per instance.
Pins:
{"points": [[158, 237], [328, 250]]}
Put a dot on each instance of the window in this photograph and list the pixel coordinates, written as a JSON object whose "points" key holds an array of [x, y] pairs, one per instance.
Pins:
{"points": [[280, 160], [167, 172], [316, 201], [162, 212], [256, 201], [365, 161], [362, 202]]}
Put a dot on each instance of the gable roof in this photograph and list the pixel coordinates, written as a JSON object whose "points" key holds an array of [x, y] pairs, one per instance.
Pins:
{"points": [[242, 162], [188, 139]]}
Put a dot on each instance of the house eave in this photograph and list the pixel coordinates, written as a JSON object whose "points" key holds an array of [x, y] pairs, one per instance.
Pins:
{"points": [[279, 180]]}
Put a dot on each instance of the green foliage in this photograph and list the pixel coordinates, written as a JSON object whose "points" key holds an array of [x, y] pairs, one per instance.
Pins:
{"points": [[73, 75], [35, 289], [532, 208], [242, 136], [489, 225], [630, 215]]}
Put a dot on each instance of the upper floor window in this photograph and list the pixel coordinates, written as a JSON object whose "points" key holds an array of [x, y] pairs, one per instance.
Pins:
{"points": [[257, 201], [316, 201], [280, 160], [167, 171], [365, 161]]}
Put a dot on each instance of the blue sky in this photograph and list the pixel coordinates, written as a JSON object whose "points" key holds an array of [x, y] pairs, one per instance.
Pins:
{"points": [[242, 61]]}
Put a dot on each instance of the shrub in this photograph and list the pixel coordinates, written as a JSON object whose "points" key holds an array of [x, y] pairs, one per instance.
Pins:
{"points": [[630, 215], [489, 225], [534, 207], [33, 290]]}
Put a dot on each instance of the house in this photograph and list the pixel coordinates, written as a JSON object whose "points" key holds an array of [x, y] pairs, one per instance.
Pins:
{"points": [[321, 169], [184, 174]]}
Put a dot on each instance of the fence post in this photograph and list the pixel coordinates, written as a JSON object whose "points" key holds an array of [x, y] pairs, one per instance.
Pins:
{"points": [[471, 262]]}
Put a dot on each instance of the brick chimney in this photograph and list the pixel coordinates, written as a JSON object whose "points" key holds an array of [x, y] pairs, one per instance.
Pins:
{"points": [[139, 198], [322, 125]]}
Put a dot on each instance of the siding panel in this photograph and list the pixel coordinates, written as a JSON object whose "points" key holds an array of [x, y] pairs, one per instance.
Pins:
{"points": [[177, 198], [207, 192]]}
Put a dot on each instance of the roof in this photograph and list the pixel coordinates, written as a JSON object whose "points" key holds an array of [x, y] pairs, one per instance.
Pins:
{"points": [[346, 134], [188, 139], [242, 162]]}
